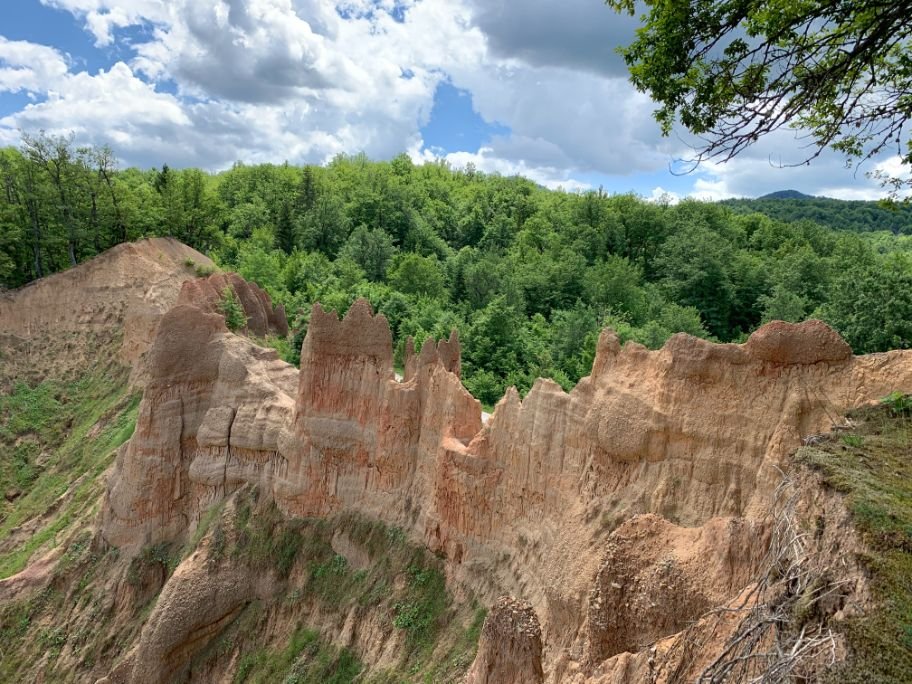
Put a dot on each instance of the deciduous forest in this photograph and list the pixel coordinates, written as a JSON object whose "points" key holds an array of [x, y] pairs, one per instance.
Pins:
{"points": [[527, 275]]}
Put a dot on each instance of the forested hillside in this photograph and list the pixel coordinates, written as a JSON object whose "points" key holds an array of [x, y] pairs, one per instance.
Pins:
{"points": [[528, 276], [832, 213]]}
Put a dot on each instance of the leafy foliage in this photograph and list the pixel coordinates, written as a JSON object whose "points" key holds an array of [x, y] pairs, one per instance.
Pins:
{"points": [[231, 309], [833, 213], [528, 276], [733, 72]]}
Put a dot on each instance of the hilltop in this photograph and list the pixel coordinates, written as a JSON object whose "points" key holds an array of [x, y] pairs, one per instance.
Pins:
{"points": [[785, 194], [849, 215]]}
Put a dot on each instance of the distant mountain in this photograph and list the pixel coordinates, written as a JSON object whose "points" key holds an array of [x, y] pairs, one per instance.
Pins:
{"points": [[786, 194], [853, 215]]}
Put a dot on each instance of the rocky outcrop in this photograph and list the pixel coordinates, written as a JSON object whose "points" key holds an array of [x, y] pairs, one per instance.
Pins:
{"points": [[109, 305], [510, 648], [684, 444], [262, 318], [209, 421], [656, 578], [195, 605], [361, 439]]}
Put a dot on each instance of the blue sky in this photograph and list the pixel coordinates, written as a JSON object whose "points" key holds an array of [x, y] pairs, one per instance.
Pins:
{"points": [[530, 87]]}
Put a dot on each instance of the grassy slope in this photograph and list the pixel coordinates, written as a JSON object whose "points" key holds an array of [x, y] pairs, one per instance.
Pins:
{"points": [[872, 467], [56, 439], [404, 583]]}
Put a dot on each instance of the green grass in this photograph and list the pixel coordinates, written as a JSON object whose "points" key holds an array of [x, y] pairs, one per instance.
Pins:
{"points": [[403, 582], [305, 660], [420, 611], [24, 635], [266, 538], [874, 472], [282, 345], [77, 427], [201, 270]]}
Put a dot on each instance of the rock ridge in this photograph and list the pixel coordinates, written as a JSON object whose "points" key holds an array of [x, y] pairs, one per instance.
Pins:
{"points": [[656, 462]]}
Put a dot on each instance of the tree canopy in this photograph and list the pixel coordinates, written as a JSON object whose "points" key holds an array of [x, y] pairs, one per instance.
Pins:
{"points": [[528, 276], [733, 71]]}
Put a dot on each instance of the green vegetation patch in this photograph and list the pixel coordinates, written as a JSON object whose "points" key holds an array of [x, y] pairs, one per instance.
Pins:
{"points": [[231, 309], [56, 439], [265, 538], [305, 660], [872, 467], [283, 345], [389, 575]]}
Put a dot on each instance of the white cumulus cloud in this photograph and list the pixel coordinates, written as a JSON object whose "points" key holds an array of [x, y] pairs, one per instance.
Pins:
{"points": [[29, 67], [208, 83]]}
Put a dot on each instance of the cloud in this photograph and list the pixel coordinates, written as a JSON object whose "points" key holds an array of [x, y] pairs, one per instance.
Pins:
{"points": [[102, 17], [29, 67], [333, 73], [261, 80], [567, 118], [208, 83], [775, 163], [257, 51], [575, 34], [488, 161], [660, 195]]}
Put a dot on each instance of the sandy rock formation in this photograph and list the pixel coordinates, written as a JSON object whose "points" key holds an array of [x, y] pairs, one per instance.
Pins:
{"points": [[510, 648], [527, 504], [195, 605], [209, 421], [262, 318], [656, 578], [361, 437], [59, 323]]}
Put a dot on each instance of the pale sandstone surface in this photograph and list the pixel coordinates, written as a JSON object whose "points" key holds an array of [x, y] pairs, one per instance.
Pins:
{"points": [[58, 323], [209, 421], [526, 504]]}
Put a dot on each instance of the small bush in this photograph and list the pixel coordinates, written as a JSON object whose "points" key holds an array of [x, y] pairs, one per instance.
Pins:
{"points": [[231, 309], [898, 402], [855, 441], [201, 270]]}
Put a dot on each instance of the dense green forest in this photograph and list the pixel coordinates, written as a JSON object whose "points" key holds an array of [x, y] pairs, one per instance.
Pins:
{"points": [[528, 276], [833, 213]]}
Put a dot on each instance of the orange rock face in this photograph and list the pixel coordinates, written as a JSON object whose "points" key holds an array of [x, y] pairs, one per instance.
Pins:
{"points": [[262, 318], [209, 421], [687, 439], [510, 647]]}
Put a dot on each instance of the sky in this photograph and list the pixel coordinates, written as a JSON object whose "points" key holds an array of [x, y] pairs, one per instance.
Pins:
{"points": [[530, 87]]}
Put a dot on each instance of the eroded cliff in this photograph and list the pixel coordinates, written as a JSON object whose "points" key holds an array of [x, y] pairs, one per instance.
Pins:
{"points": [[622, 511], [627, 531], [110, 305]]}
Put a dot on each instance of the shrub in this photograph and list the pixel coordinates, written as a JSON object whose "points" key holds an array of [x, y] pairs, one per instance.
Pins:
{"points": [[231, 309], [898, 402]]}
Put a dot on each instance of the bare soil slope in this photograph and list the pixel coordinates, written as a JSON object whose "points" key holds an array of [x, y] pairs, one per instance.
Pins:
{"points": [[58, 325]]}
